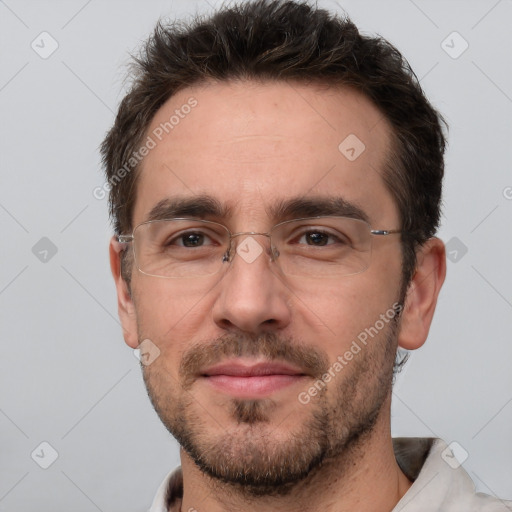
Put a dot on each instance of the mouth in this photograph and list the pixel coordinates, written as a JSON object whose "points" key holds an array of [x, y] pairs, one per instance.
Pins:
{"points": [[247, 379]]}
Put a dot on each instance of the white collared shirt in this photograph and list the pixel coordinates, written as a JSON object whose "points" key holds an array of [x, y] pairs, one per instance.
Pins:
{"points": [[440, 483]]}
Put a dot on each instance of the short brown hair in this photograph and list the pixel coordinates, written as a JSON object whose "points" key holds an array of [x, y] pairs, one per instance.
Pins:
{"points": [[287, 40]]}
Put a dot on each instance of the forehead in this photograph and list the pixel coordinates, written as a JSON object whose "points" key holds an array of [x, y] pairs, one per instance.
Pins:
{"points": [[252, 146]]}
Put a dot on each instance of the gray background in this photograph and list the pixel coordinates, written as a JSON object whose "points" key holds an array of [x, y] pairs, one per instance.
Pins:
{"points": [[66, 376]]}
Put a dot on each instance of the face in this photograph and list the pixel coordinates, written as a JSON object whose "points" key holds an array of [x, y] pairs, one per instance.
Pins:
{"points": [[261, 376]]}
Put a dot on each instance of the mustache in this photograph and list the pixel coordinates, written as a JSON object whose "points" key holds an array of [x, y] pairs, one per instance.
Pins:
{"points": [[267, 345]]}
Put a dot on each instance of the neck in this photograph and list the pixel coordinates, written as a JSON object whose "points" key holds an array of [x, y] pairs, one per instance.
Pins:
{"points": [[364, 477]]}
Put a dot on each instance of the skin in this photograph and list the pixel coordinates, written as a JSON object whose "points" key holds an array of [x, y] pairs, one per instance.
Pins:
{"points": [[250, 144]]}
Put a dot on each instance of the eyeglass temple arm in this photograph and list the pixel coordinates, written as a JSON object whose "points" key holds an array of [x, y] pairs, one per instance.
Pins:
{"points": [[384, 232], [124, 239]]}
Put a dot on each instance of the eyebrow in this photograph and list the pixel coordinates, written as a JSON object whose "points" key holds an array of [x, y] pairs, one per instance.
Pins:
{"points": [[313, 206], [189, 206], [205, 206]]}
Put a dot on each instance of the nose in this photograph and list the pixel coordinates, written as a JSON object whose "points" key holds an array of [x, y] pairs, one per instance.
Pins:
{"points": [[252, 296]]}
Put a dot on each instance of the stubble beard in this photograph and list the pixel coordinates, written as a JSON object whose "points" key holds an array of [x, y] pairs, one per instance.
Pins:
{"points": [[251, 455]]}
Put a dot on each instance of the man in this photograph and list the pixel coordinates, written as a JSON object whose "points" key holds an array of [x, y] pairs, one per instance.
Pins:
{"points": [[275, 189]]}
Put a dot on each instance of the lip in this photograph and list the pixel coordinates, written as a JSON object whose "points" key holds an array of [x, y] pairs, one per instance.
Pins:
{"points": [[250, 369], [252, 380]]}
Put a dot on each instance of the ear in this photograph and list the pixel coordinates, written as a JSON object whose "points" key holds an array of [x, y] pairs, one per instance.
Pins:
{"points": [[421, 297], [125, 306]]}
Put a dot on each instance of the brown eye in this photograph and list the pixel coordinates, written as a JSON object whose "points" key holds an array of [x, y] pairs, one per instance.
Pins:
{"points": [[192, 239], [318, 238]]}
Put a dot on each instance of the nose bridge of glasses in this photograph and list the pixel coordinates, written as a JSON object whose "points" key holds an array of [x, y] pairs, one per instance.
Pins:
{"points": [[249, 233], [233, 247]]}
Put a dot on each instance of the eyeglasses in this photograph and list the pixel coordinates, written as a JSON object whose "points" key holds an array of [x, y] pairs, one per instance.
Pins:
{"points": [[327, 246]]}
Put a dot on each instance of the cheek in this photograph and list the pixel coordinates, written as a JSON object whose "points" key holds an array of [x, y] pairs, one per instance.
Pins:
{"points": [[168, 301], [333, 314], [169, 313]]}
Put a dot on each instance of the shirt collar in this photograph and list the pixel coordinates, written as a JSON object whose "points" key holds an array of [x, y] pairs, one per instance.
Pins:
{"points": [[428, 462]]}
